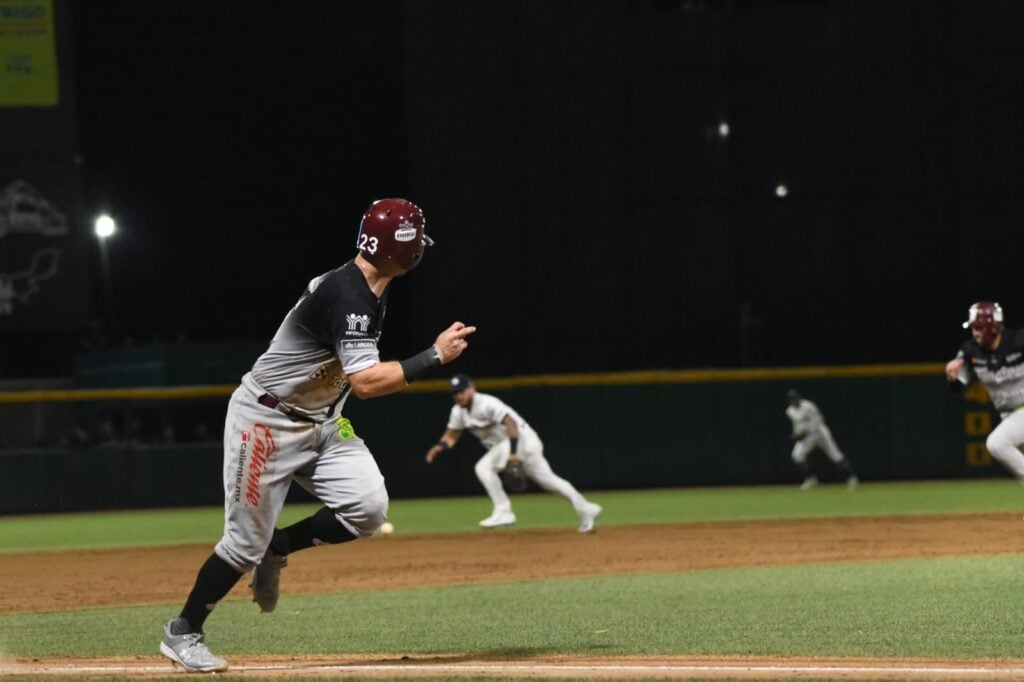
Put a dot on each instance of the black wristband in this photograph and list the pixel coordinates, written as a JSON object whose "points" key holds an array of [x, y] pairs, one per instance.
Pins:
{"points": [[414, 367], [513, 445], [443, 445]]}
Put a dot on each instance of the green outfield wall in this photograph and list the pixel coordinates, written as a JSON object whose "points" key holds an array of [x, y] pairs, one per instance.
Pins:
{"points": [[612, 431]]}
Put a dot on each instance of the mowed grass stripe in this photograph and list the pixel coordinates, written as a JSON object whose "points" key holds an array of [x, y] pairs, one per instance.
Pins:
{"points": [[946, 608], [138, 528]]}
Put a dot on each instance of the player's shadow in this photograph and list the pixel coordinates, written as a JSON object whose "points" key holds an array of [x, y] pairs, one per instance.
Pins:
{"points": [[502, 655]]}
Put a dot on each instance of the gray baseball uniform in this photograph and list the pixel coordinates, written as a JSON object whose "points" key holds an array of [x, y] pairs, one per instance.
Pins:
{"points": [[809, 432], [807, 419], [1002, 373], [284, 422]]}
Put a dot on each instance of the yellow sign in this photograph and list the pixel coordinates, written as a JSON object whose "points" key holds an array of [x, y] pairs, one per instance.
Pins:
{"points": [[28, 58]]}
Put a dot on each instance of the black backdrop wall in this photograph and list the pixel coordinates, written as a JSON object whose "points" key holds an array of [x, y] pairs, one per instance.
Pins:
{"points": [[589, 210], [590, 215]]}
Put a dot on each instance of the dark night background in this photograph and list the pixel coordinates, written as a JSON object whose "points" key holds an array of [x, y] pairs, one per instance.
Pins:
{"points": [[588, 215]]}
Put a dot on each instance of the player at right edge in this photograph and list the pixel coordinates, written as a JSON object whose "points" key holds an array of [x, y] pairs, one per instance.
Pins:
{"points": [[995, 357]]}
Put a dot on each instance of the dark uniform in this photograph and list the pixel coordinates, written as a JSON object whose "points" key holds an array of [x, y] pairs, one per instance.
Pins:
{"points": [[1001, 371]]}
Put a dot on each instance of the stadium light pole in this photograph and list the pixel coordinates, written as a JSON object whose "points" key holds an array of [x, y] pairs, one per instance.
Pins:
{"points": [[104, 227]]}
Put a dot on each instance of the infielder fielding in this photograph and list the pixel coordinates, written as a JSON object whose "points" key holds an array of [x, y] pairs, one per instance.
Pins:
{"points": [[995, 357], [809, 432], [284, 424], [508, 439]]}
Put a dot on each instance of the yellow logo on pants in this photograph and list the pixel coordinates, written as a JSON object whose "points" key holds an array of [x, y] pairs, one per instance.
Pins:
{"points": [[345, 430]]}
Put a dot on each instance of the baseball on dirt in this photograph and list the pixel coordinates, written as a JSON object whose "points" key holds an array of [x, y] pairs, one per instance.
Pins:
{"points": [[387, 528]]}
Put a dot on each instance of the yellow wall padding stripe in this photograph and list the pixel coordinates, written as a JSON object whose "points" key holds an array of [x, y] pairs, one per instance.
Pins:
{"points": [[84, 394], [694, 376]]}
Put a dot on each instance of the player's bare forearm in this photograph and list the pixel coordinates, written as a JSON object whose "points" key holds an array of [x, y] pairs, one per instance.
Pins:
{"points": [[380, 379], [447, 441]]}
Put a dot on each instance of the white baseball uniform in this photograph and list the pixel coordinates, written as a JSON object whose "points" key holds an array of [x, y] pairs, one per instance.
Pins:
{"points": [[807, 420], [484, 418]]}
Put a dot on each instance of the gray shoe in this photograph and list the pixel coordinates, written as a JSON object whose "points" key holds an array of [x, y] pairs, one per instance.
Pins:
{"points": [[266, 581], [188, 649]]}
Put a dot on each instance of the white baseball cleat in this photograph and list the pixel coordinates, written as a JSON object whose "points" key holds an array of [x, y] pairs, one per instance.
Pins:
{"points": [[809, 483], [188, 649], [852, 482], [589, 517], [497, 519]]}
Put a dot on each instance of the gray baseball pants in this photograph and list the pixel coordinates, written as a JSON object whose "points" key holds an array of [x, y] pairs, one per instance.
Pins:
{"points": [[265, 450], [1005, 440]]}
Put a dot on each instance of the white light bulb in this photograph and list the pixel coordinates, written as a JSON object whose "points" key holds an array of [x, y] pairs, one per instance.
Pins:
{"points": [[104, 226]]}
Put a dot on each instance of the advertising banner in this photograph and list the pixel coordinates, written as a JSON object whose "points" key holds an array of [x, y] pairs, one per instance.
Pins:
{"points": [[28, 58]]}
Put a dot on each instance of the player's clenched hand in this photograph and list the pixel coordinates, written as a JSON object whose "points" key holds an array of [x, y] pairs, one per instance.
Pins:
{"points": [[452, 341], [432, 454], [953, 368]]}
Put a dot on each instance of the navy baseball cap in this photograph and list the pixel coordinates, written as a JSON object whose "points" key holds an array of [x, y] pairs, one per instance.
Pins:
{"points": [[460, 382], [792, 393]]}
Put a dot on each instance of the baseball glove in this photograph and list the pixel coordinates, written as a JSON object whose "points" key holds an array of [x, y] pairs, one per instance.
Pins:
{"points": [[513, 478]]}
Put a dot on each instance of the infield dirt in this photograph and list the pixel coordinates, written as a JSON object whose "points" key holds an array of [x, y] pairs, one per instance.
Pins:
{"points": [[67, 580]]}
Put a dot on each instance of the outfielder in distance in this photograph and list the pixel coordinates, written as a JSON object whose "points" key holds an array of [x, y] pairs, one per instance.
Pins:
{"points": [[284, 424], [809, 432], [509, 440], [995, 357]]}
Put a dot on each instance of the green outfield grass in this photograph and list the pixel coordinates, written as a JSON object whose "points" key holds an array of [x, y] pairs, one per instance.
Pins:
{"points": [[165, 527], [950, 607]]}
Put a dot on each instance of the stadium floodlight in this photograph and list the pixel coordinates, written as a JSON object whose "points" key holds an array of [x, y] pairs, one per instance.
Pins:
{"points": [[104, 226]]}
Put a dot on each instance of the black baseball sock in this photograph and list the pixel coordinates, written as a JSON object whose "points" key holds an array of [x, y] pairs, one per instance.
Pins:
{"points": [[805, 469], [844, 466], [215, 580], [318, 529]]}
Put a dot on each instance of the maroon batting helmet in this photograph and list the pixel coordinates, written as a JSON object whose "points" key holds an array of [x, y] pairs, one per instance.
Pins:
{"points": [[987, 318], [391, 231]]}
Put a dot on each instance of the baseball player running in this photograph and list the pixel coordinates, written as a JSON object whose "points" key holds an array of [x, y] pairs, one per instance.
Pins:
{"points": [[995, 357], [809, 432], [508, 438], [284, 424]]}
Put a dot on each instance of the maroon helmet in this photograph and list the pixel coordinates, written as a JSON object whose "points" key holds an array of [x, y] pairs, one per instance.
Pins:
{"points": [[987, 318], [391, 231]]}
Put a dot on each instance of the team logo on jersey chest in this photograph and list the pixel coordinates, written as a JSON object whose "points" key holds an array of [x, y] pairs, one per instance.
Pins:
{"points": [[406, 232], [357, 323], [335, 379]]}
